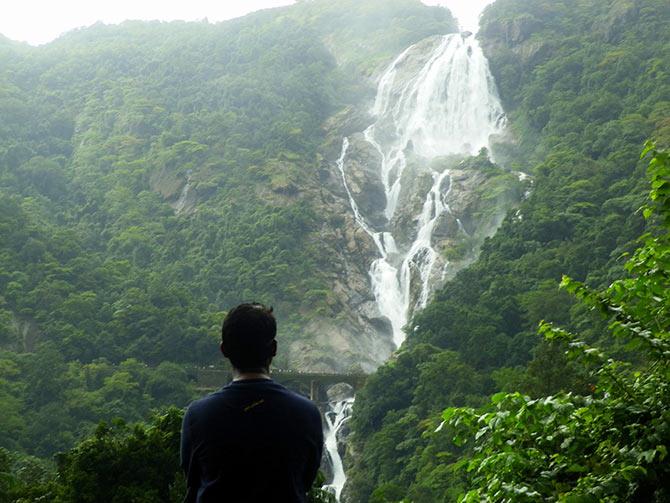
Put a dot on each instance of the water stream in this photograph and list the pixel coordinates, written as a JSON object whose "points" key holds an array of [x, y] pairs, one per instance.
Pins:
{"points": [[449, 106], [337, 415], [180, 205]]}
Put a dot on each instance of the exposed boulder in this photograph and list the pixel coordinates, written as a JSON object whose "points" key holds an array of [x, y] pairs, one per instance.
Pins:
{"points": [[622, 13], [362, 174], [346, 122], [415, 182], [512, 31], [339, 392], [502, 39]]}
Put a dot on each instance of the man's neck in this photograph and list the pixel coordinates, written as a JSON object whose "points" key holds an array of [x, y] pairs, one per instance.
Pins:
{"points": [[243, 375]]}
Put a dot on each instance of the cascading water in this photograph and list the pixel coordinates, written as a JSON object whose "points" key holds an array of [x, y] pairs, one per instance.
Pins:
{"points": [[181, 202], [180, 205], [449, 106], [337, 415]]}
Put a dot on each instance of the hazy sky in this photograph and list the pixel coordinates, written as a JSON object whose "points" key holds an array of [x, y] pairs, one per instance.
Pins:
{"points": [[40, 21], [466, 11]]}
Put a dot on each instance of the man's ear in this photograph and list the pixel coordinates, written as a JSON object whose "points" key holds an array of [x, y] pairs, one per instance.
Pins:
{"points": [[223, 350], [273, 348]]}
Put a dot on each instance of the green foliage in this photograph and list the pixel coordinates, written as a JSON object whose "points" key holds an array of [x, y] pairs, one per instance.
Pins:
{"points": [[151, 176], [387, 27], [120, 463], [23, 479], [611, 444], [50, 403], [584, 83], [396, 437], [318, 495]]}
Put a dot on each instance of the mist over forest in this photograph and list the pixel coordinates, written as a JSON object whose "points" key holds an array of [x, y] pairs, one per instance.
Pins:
{"points": [[472, 229]]}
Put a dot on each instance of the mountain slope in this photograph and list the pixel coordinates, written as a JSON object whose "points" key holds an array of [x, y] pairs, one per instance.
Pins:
{"points": [[584, 83], [154, 174]]}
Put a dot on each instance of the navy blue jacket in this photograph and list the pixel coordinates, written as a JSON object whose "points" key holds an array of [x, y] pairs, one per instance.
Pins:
{"points": [[251, 441]]}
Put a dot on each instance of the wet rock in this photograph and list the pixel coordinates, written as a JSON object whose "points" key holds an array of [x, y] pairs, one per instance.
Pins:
{"points": [[347, 122], [414, 60], [446, 228], [339, 392], [415, 182], [502, 39], [511, 31], [361, 170]]}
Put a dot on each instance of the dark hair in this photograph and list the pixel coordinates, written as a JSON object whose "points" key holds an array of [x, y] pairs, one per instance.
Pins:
{"points": [[247, 334]]}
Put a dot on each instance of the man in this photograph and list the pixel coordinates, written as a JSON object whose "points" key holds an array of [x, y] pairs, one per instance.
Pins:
{"points": [[253, 440]]}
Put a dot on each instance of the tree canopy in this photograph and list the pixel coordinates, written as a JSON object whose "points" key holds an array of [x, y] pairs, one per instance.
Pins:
{"points": [[584, 85]]}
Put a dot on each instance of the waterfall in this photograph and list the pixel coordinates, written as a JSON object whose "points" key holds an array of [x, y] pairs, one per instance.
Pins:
{"points": [[181, 202], [337, 415], [180, 205], [449, 105]]}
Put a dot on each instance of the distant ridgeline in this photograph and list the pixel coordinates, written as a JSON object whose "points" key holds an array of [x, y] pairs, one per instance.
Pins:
{"points": [[584, 83]]}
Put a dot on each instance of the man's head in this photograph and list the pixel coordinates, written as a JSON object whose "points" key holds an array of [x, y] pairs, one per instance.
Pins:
{"points": [[248, 337]]}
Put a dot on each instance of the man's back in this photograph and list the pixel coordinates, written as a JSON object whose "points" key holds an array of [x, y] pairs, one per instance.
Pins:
{"points": [[252, 441]]}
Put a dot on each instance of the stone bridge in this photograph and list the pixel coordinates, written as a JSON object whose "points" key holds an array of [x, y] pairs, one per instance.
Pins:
{"points": [[310, 384]]}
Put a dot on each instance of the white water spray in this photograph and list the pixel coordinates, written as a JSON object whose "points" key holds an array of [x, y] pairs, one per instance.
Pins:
{"points": [[337, 415], [180, 205], [449, 106], [181, 202]]}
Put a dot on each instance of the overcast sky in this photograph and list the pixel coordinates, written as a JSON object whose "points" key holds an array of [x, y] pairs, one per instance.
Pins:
{"points": [[40, 21]]}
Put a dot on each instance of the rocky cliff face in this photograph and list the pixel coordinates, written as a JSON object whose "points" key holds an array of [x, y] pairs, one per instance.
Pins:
{"points": [[478, 193], [515, 35], [351, 333], [436, 99]]}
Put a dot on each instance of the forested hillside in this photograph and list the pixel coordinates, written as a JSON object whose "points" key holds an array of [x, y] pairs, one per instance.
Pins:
{"points": [[584, 84], [151, 176]]}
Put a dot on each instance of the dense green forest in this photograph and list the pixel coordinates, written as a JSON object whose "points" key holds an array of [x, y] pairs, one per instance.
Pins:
{"points": [[584, 84], [154, 174], [111, 288]]}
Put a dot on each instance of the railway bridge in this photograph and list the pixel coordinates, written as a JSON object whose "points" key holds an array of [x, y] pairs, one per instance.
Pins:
{"points": [[310, 384]]}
